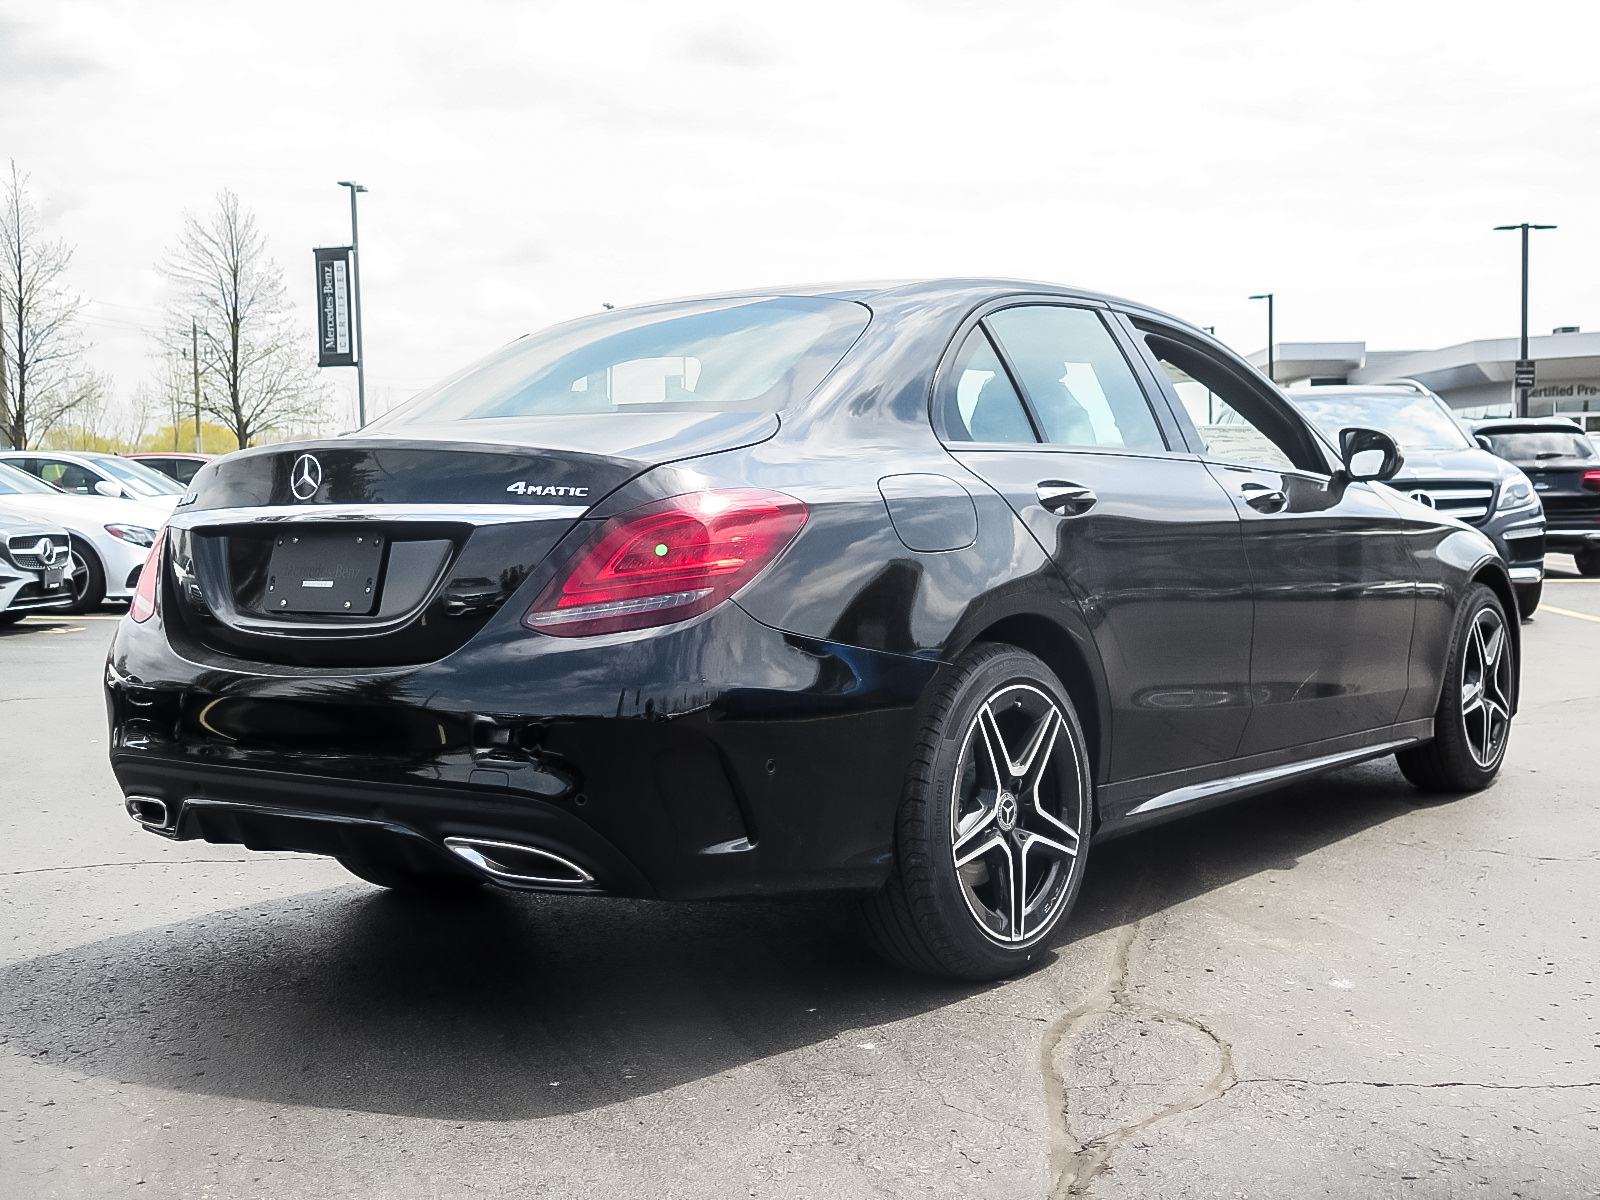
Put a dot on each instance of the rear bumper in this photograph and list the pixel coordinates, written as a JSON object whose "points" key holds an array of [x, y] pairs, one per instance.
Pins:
{"points": [[716, 758]]}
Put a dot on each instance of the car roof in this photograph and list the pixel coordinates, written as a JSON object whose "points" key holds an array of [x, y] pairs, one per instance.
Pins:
{"points": [[1527, 425], [899, 293]]}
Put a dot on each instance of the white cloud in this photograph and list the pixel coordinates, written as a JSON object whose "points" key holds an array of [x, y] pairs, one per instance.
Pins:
{"points": [[529, 161]]}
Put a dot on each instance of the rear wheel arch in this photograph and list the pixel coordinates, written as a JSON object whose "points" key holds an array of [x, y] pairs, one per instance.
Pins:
{"points": [[1061, 652]]}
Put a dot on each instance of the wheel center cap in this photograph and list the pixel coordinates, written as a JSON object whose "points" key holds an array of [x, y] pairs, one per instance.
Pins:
{"points": [[1005, 811]]}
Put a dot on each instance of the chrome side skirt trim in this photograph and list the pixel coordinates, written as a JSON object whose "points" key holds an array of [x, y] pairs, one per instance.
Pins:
{"points": [[464, 514], [1200, 791]]}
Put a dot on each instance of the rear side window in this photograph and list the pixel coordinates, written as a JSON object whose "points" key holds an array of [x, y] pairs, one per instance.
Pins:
{"points": [[755, 355], [1081, 387], [1532, 447], [981, 405]]}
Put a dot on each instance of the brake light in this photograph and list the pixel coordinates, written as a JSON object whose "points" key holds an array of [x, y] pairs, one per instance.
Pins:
{"points": [[1591, 481], [144, 596], [667, 562]]}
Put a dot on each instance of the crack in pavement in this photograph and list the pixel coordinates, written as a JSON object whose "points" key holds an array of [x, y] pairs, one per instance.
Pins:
{"points": [[1074, 1165], [1498, 1087]]}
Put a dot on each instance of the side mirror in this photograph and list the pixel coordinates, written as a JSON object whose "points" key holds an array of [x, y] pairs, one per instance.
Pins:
{"points": [[106, 488], [1484, 442], [1369, 454]]}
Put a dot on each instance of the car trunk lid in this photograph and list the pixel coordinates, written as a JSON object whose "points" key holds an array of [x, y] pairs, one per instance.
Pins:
{"points": [[388, 551]]}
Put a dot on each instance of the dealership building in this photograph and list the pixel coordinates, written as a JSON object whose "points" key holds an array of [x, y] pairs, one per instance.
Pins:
{"points": [[1475, 378]]}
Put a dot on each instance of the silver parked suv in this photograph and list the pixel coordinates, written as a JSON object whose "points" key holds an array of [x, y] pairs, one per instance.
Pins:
{"points": [[1444, 469]]}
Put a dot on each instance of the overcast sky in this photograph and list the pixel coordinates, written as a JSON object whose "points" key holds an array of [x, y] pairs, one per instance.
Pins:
{"points": [[529, 161]]}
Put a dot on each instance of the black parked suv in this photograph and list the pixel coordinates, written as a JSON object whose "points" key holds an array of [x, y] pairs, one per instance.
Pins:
{"points": [[1445, 471], [1565, 469]]}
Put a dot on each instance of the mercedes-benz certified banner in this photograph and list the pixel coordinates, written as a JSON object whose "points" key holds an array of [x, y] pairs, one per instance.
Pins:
{"points": [[335, 345]]}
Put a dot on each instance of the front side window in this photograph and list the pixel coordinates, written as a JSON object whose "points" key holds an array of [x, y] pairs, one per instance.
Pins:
{"points": [[1235, 421], [1081, 387], [67, 476], [752, 355], [980, 403]]}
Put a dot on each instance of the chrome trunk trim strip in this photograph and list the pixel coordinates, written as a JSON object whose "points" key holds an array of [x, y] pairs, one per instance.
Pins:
{"points": [[465, 514]]}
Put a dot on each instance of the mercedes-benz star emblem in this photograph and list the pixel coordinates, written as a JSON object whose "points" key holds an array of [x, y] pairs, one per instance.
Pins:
{"points": [[1006, 811], [1423, 498], [46, 550], [306, 477]]}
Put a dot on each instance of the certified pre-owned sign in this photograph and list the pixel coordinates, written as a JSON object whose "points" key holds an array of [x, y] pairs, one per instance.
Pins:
{"points": [[334, 345]]}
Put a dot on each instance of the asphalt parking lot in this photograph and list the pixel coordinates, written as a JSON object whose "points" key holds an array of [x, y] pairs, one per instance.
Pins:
{"points": [[1340, 989]]}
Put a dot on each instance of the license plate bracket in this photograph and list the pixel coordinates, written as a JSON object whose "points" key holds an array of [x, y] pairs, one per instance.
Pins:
{"points": [[53, 577], [324, 573]]}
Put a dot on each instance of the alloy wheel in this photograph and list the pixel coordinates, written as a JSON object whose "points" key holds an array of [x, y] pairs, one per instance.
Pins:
{"points": [[1015, 806], [80, 577], [1486, 687]]}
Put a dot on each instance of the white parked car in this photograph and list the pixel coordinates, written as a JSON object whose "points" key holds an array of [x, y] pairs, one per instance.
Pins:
{"points": [[89, 473], [110, 538], [35, 566]]}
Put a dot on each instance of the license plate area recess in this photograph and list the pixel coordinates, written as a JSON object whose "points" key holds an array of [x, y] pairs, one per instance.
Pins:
{"points": [[325, 572]]}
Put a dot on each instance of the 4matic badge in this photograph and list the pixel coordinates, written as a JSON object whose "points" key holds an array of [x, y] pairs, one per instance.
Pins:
{"points": [[523, 488]]}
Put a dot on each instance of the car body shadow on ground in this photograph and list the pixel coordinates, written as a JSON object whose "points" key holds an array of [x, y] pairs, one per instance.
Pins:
{"points": [[504, 1007]]}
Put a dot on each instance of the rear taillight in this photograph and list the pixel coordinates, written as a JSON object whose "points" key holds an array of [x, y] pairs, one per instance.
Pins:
{"points": [[667, 562], [144, 596], [1591, 481]]}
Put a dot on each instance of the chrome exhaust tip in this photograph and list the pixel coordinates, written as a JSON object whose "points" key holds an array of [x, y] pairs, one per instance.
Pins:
{"points": [[148, 811], [519, 864]]}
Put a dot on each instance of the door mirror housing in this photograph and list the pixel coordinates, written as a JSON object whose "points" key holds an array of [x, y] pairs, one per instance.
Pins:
{"points": [[106, 488], [1369, 454], [1484, 443]]}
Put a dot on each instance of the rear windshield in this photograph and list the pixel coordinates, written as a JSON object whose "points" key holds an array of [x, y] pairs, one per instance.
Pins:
{"points": [[19, 483], [1536, 446], [753, 355], [1415, 422]]}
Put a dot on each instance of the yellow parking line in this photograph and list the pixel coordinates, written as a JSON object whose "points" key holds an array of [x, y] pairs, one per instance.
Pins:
{"points": [[1567, 612]]}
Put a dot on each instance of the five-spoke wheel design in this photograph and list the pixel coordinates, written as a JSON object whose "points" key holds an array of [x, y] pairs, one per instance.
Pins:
{"points": [[1012, 808], [993, 832], [1486, 687], [1472, 723]]}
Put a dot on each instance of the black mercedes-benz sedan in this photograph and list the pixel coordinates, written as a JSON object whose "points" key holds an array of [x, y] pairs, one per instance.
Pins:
{"points": [[915, 591]]}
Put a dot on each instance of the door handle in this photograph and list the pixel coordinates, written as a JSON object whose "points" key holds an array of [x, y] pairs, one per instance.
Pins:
{"points": [[1065, 499], [1263, 498]]}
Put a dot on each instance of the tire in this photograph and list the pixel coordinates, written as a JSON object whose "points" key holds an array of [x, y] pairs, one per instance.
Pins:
{"points": [[1472, 724], [400, 878], [1528, 599], [1588, 560], [88, 580], [1027, 804]]}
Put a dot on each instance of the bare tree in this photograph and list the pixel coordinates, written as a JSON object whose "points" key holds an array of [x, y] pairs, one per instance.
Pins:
{"points": [[42, 377], [255, 373]]}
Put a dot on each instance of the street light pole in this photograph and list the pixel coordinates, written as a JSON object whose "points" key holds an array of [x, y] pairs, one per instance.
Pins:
{"points": [[355, 298], [1272, 373], [1524, 369], [194, 357]]}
